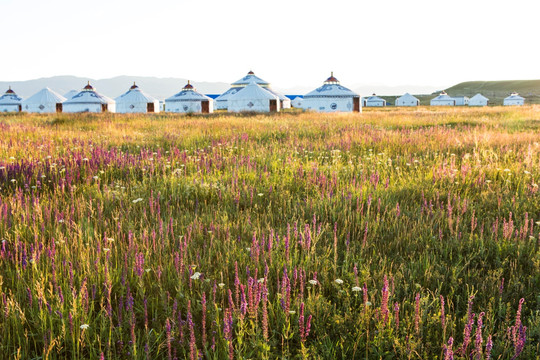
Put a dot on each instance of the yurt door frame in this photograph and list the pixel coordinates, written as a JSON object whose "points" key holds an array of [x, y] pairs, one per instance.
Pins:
{"points": [[103, 107], [205, 107], [273, 105], [150, 107], [58, 107], [356, 104]]}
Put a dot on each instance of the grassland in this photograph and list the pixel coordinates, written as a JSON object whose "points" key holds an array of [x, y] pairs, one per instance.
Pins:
{"points": [[407, 234]]}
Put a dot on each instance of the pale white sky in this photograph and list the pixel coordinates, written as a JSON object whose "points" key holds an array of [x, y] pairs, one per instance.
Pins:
{"points": [[289, 43]]}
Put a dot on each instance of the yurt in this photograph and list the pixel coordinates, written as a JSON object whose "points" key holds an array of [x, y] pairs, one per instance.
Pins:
{"points": [[222, 100], [297, 102], [10, 102], [189, 100], [253, 98], [44, 101], [136, 101], [374, 101], [407, 100], [443, 100], [332, 97], [461, 100], [478, 100], [70, 94], [89, 100], [514, 100]]}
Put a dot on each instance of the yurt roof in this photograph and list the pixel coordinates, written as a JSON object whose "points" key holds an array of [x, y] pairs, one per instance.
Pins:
{"points": [[45, 96], [479, 97], [253, 92], [277, 93], [443, 96], [135, 95], [248, 79], [70, 94], [188, 93], [89, 95], [374, 98], [407, 96], [227, 94], [514, 96], [10, 98], [331, 88]]}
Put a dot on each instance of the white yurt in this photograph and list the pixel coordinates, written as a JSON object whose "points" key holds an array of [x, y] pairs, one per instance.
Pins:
{"points": [[407, 100], [136, 101], [284, 102], [189, 100], [89, 100], [253, 98], [10, 102], [70, 94], [332, 97], [478, 100], [374, 101], [297, 102], [514, 100], [461, 100], [222, 100], [443, 100], [44, 101]]}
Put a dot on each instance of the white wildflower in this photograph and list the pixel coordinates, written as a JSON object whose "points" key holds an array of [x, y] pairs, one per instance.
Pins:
{"points": [[85, 326], [338, 281], [313, 282], [356, 288], [260, 281], [221, 285], [196, 276]]}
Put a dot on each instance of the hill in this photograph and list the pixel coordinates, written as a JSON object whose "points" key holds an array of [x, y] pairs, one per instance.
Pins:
{"points": [[113, 87]]}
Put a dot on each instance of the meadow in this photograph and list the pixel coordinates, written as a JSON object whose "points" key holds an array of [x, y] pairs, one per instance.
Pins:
{"points": [[391, 234]]}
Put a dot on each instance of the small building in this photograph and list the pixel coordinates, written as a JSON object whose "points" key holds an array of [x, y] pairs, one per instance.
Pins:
{"points": [[297, 102], [443, 100], [189, 100], [332, 97], [407, 100], [89, 100], [44, 101], [374, 101], [70, 94], [478, 100], [221, 101], [253, 98], [514, 100], [10, 102], [461, 100], [136, 101]]}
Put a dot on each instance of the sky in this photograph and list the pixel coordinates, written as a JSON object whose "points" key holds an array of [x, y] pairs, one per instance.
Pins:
{"points": [[289, 43]]}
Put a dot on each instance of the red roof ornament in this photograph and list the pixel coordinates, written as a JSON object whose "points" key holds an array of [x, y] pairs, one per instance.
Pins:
{"points": [[332, 79], [88, 87], [9, 91], [188, 86], [251, 72], [134, 86]]}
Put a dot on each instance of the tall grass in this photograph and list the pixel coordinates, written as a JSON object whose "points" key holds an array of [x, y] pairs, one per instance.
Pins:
{"points": [[389, 234]]}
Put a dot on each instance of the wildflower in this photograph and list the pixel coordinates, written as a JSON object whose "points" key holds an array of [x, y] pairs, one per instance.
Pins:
{"points": [[13, 180], [137, 200], [148, 270], [260, 194], [95, 177], [313, 282], [85, 326], [292, 312], [506, 170], [356, 288], [110, 239], [221, 285], [338, 281], [260, 281], [85, 159], [106, 249], [196, 276]]}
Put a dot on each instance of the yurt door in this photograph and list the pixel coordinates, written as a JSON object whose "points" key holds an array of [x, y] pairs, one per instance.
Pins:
{"points": [[59, 107], [150, 107], [273, 105], [205, 107], [103, 107], [356, 104], [20, 108]]}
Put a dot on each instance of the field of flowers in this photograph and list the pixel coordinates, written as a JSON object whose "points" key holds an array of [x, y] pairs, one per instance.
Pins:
{"points": [[407, 234]]}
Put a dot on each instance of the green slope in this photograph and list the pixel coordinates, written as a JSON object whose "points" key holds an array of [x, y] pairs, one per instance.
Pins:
{"points": [[496, 91]]}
